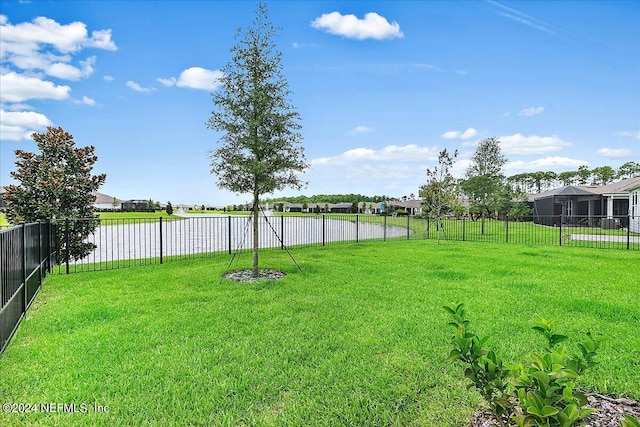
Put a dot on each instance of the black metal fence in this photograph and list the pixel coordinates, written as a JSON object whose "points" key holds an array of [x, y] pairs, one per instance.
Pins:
{"points": [[29, 251], [132, 242], [26, 256]]}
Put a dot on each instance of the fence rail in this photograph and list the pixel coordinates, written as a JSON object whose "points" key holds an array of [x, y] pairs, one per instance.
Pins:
{"points": [[29, 251], [131, 242], [26, 256]]}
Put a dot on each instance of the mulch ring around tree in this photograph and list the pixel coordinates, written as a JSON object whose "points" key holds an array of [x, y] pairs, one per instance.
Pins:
{"points": [[244, 276], [610, 411]]}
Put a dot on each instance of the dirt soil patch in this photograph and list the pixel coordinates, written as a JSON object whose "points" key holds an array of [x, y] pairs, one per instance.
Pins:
{"points": [[610, 411], [244, 276]]}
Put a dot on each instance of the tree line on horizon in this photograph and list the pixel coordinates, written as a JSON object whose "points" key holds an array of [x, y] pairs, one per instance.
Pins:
{"points": [[527, 182], [330, 198], [537, 182]]}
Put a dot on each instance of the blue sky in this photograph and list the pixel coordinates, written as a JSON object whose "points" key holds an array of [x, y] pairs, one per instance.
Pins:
{"points": [[381, 87]]}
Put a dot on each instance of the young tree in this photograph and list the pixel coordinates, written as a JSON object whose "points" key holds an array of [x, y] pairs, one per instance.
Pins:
{"points": [[511, 203], [439, 193], [484, 177], [261, 146], [169, 208], [57, 184]]}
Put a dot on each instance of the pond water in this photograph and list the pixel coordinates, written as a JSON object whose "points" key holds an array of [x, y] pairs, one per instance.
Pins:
{"points": [[136, 239]]}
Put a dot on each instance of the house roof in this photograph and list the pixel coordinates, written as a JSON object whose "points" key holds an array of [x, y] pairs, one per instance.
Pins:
{"points": [[620, 187], [105, 198], [635, 183], [568, 190]]}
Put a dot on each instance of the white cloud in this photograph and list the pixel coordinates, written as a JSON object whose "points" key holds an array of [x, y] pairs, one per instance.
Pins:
{"points": [[69, 72], [19, 107], [614, 153], [17, 88], [454, 134], [195, 78], [360, 129], [459, 168], [553, 163], [633, 134], [18, 125], [392, 169], [27, 37], [135, 86], [390, 154], [171, 81], [88, 101], [531, 111], [373, 26], [29, 51], [108, 78], [525, 145], [47, 46]]}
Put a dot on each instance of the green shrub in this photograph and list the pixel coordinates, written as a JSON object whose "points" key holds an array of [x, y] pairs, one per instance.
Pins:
{"points": [[540, 394]]}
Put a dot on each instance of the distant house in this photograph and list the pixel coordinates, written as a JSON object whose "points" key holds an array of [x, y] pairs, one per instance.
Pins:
{"points": [[340, 207], [634, 206], [135, 206], [584, 205], [3, 203], [105, 202], [412, 207]]}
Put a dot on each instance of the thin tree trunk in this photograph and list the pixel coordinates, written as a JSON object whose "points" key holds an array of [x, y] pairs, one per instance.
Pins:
{"points": [[254, 269]]}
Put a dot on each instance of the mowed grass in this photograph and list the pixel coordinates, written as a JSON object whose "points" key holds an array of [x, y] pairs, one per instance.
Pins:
{"points": [[358, 338], [148, 216], [3, 220]]}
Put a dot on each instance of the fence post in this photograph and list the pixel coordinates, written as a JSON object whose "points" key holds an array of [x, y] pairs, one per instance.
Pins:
{"points": [[48, 252], [356, 228], [560, 230], [464, 224], [229, 233], [323, 239], [40, 251], [384, 236], [408, 234], [66, 240], [24, 267], [506, 224], [282, 232], [628, 231], [160, 240]]}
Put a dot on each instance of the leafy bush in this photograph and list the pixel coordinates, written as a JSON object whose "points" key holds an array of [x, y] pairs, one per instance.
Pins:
{"points": [[540, 394], [629, 421]]}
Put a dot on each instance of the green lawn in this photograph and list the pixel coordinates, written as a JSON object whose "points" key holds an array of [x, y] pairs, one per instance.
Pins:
{"points": [[359, 338], [3, 220], [136, 215]]}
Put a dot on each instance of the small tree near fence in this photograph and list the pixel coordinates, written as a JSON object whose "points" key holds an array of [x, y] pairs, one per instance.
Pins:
{"points": [[439, 193], [261, 147], [57, 184], [484, 178]]}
